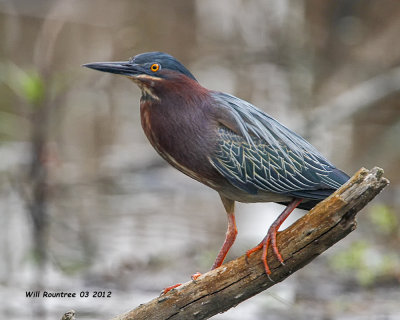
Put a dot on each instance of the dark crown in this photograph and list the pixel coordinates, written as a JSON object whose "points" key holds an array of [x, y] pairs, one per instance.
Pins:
{"points": [[165, 60]]}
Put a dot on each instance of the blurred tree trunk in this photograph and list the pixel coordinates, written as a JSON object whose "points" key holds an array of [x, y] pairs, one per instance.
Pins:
{"points": [[38, 181]]}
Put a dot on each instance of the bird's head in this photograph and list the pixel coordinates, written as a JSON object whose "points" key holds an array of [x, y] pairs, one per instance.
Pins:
{"points": [[148, 70]]}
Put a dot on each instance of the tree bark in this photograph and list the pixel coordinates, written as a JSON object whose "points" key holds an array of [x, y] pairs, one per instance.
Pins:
{"points": [[223, 288]]}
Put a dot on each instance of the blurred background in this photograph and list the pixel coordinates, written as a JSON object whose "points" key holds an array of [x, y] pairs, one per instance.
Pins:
{"points": [[86, 204]]}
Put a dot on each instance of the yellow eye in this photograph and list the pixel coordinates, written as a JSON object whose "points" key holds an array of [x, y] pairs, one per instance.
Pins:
{"points": [[155, 67]]}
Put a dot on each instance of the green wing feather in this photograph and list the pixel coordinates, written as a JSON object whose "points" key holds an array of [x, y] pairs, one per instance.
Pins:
{"points": [[265, 155]]}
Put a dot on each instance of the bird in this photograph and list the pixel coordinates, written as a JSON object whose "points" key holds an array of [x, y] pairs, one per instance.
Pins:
{"points": [[226, 143]]}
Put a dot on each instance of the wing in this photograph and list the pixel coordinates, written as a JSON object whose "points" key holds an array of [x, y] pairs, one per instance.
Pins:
{"points": [[261, 154]]}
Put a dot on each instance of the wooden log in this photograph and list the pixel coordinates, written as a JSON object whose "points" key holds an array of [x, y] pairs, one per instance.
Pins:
{"points": [[223, 288]]}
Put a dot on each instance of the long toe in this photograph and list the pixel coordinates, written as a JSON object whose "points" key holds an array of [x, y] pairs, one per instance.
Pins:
{"points": [[168, 289], [272, 232], [265, 243], [196, 276], [264, 246], [272, 236], [256, 248]]}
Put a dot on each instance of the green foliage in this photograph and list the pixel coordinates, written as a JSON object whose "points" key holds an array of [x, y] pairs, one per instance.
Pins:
{"points": [[32, 87], [365, 262], [384, 219], [28, 85], [363, 259], [354, 259]]}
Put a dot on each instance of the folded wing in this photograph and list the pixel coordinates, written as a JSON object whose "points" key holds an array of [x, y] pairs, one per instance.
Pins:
{"points": [[255, 152]]}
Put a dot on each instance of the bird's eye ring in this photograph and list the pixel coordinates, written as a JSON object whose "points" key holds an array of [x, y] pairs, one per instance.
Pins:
{"points": [[155, 67]]}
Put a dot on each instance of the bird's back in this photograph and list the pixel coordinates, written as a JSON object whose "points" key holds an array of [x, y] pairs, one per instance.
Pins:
{"points": [[261, 157]]}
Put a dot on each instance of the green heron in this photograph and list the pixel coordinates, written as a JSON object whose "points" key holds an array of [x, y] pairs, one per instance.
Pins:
{"points": [[227, 144]]}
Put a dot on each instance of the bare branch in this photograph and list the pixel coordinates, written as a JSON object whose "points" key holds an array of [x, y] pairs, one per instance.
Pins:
{"points": [[225, 287]]}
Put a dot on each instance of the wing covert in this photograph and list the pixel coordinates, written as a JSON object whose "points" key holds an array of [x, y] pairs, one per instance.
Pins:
{"points": [[256, 152], [259, 166]]}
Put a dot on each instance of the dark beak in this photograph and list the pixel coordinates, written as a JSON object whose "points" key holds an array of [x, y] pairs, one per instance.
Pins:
{"points": [[124, 68]]}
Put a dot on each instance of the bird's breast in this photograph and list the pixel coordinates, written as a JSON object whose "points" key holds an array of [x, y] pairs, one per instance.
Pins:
{"points": [[182, 141]]}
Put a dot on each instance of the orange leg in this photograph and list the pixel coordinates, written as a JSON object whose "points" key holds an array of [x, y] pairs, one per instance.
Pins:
{"points": [[270, 238], [229, 240], [231, 233]]}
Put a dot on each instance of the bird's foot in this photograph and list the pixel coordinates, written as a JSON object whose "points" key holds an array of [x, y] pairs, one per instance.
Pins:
{"points": [[168, 289], [194, 277], [270, 238]]}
